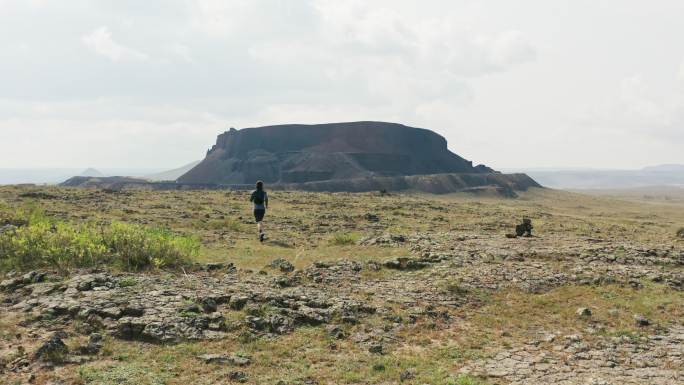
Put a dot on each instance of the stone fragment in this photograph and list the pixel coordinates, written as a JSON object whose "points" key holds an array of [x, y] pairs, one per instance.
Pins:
{"points": [[376, 348], [583, 312], [238, 376], [53, 350], [283, 265], [640, 320]]}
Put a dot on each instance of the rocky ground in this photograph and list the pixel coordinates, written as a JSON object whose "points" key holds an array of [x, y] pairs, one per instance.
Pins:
{"points": [[557, 308]]}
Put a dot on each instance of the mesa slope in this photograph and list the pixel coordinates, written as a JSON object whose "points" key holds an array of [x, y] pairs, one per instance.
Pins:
{"points": [[355, 156]]}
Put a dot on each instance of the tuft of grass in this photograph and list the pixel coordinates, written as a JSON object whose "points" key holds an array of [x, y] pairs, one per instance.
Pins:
{"points": [[123, 374], [45, 243], [223, 224], [455, 287], [465, 379], [343, 239], [128, 282]]}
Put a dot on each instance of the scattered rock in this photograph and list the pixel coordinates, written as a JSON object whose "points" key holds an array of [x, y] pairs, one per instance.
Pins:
{"points": [[33, 277], [335, 331], [95, 342], [11, 284], [224, 359], [8, 229], [238, 376], [407, 374], [583, 312], [404, 263], [640, 320], [370, 217], [524, 229], [283, 265], [53, 350], [376, 348], [209, 305], [237, 302]]}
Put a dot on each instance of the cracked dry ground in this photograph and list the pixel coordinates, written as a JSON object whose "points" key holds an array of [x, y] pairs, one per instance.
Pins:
{"points": [[441, 306]]}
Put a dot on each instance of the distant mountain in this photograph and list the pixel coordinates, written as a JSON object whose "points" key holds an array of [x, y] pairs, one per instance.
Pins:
{"points": [[172, 174], [92, 172], [664, 175], [35, 175], [665, 168], [102, 182]]}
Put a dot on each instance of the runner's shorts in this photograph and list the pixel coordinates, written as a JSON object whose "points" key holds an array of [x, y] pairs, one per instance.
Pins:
{"points": [[259, 214]]}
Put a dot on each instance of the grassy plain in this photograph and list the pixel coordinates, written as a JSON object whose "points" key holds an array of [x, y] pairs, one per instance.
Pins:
{"points": [[306, 227]]}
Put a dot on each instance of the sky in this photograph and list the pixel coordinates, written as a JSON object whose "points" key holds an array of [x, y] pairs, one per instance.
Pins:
{"points": [[511, 84]]}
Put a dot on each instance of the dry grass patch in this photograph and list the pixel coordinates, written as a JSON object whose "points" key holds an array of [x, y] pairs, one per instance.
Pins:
{"points": [[523, 315]]}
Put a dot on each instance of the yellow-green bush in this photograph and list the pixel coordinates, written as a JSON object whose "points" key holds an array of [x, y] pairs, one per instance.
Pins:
{"points": [[45, 243], [342, 238]]}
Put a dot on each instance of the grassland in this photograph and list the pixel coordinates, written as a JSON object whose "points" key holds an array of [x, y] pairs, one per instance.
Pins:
{"points": [[490, 294]]}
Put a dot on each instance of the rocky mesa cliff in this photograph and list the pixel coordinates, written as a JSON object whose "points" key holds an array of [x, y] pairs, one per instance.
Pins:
{"points": [[300, 153]]}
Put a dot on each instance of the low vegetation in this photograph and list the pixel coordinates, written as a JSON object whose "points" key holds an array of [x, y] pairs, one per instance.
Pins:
{"points": [[340, 239], [441, 324], [32, 240]]}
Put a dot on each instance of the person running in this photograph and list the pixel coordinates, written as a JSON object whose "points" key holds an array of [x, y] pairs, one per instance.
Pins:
{"points": [[260, 200]]}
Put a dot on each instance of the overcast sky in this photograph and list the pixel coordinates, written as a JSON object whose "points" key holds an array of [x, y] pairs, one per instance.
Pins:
{"points": [[530, 83]]}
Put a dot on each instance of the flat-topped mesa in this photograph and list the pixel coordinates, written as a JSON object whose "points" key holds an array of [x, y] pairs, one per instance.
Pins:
{"points": [[298, 153]]}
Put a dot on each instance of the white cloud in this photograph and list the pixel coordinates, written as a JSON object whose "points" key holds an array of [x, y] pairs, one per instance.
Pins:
{"points": [[101, 42], [504, 82]]}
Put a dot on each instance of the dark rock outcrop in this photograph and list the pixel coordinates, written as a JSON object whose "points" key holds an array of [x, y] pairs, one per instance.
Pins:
{"points": [[297, 153]]}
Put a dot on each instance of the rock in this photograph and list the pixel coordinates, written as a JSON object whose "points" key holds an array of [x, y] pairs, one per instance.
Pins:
{"points": [[92, 282], [209, 305], [283, 265], [11, 284], [335, 331], [53, 350], [524, 229], [133, 311], [376, 348], [370, 217], [95, 343], [256, 323], [237, 302], [33, 277], [224, 359], [217, 266], [286, 281], [238, 376], [190, 308], [583, 312], [680, 233], [405, 264], [280, 325], [640, 320], [408, 374], [214, 266], [8, 229]]}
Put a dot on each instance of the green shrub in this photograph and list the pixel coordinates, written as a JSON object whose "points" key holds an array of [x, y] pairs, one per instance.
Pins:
{"points": [[45, 243], [341, 239], [134, 247]]}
